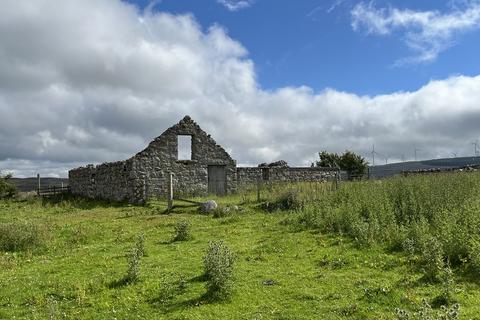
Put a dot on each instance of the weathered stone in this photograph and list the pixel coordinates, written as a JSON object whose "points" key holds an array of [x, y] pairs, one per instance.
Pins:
{"points": [[208, 206], [280, 163]]}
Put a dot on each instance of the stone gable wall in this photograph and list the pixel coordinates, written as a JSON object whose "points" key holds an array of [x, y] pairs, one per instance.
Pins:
{"points": [[146, 175], [153, 165]]}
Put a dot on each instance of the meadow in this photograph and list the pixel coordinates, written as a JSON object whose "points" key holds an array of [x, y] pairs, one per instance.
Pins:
{"points": [[400, 248]]}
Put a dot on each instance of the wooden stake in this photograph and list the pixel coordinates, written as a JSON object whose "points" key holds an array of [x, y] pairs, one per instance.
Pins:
{"points": [[170, 192], [258, 189], [38, 182]]}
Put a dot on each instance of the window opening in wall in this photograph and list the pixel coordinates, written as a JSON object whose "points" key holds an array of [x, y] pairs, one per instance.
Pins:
{"points": [[184, 147]]}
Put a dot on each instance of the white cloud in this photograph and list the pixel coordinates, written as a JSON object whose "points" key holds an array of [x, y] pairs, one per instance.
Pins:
{"points": [[235, 5], [427, 33], [73, 93]]}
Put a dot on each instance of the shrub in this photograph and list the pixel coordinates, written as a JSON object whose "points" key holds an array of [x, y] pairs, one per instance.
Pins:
{"points": [[446, 297], [287, 200], [170, 286], [433, 259], [219, 267], [223, 212], [7, 189], [220, 212], [182, 230], [133, 259], [19, 236], [474, 255]]}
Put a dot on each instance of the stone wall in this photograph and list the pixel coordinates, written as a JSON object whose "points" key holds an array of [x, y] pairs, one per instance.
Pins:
{"points": [[250, 175], [470, 168], [80, 181], [110, 181]]}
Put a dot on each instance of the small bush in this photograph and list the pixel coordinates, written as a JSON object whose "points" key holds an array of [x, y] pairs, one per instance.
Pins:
{"points": [[446, 297], [19, 237], [170, 286], [133, 259], [433, 261], [222, 212], [7, 189], [219, 267], [474, 255], [287, 200], [182, 230]]}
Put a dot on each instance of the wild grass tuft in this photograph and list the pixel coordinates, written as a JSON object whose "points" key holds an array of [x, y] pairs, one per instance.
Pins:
{"points": [[19, 236]]}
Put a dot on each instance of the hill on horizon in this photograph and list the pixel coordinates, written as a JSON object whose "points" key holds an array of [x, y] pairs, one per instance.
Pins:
{"points": [[30, 184], [387, 170]]}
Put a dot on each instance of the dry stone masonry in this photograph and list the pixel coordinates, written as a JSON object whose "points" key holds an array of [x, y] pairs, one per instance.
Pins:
{"points": [[210, 170]]}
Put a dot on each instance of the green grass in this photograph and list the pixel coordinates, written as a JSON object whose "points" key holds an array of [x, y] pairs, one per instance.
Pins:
{"points": [[304, 263]]}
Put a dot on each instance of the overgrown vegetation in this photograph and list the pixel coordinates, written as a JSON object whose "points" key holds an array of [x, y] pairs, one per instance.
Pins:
{"points": [[288, 199], [7, 189], [19, 236], [219, 263], [182, 230], [434, 217]]}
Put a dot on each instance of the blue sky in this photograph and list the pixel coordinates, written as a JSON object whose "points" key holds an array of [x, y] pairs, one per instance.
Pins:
{"points": [[96, 80], [312, 42]]}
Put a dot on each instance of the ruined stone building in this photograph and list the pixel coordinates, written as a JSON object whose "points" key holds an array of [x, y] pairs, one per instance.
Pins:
{"points": [[207, 169]]}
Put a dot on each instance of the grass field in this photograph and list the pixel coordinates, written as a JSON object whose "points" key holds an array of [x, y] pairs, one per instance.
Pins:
{"points": [[303, 252]]}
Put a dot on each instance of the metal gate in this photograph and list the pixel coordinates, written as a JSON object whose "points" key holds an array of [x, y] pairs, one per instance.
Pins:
{"points": [[217, 180]]}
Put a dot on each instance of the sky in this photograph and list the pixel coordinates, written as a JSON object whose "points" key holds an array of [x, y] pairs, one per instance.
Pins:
{"points": [[95, 80]]}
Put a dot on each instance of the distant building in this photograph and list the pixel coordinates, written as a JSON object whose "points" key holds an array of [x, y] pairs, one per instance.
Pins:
{"points": [[206, 168]]}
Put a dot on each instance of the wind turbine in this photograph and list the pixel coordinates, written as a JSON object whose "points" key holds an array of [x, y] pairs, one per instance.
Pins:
{"points": [[416, 150], [475, 144], [373, 153]]}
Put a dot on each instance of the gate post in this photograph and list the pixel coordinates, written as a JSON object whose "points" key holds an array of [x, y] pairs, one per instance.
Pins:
{"points": [[38, 183], [170, 191]]}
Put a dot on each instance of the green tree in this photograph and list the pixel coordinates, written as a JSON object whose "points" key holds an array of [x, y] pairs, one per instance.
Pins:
{"points": [[7, 189], [352, 163], [328, 160]]}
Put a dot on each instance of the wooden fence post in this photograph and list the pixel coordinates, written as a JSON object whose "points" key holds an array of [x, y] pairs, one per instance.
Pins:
{"points": [[38, 184], [170, 191], [259, 182], [337, 180]]}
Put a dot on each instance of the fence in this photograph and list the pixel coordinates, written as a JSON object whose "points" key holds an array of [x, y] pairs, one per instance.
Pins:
{"points": [[53, 191]]}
